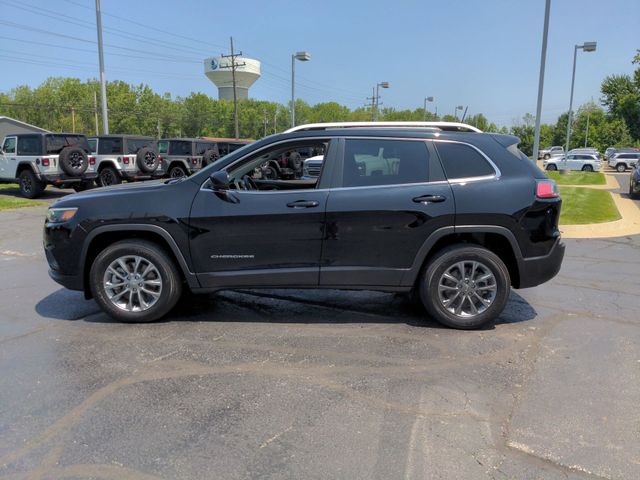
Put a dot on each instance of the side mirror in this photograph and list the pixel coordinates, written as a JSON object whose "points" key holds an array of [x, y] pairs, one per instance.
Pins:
{"points": [[220, 180]]}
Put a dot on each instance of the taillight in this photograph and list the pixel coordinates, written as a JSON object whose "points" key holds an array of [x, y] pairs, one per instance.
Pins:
{"points": [[546, 189], [125, 160], [92, 160], [160, 158], [45, 162]]}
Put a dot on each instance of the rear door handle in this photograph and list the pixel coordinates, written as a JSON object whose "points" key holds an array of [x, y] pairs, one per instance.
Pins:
{"points": [[303, 204], [429, 199]]}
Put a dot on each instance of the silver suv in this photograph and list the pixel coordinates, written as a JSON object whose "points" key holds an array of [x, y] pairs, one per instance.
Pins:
{"points": [[549, 152], [36, 160], [125, 157], [587, 162], [623, 160]]}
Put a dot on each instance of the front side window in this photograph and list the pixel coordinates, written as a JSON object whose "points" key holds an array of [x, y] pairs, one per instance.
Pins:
{"points": [[369, 162], [9, 145], [29, 145], [462, 161], [109, 146]]}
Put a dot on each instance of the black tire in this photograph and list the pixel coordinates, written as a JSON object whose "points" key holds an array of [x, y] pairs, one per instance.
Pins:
{"points": [[209, 157], [587, 168], [632, 194], [177, 171], [447, 259], [547, 156], [82, 186], [147, 160], [73, 161], [552, 168], [109, 176], [621, 167], [166, 272], [30, 186]]}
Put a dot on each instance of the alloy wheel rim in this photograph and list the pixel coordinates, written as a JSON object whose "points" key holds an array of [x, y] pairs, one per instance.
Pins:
{"points": [[177, 173], [26, 185], [467, 288], [107, 178], [132, 283]]}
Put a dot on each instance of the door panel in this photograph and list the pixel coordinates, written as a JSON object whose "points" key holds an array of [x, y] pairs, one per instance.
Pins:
{"points": [[257, 238], [373, 234]]}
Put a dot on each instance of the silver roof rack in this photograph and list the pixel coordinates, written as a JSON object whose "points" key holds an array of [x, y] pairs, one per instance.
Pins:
{"points": [[435, 126]]}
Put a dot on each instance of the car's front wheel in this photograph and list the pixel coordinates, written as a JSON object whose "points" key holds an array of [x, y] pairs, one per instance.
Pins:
{"points": [[177, 171], [30, 186], [465, 286], [135, 281]]}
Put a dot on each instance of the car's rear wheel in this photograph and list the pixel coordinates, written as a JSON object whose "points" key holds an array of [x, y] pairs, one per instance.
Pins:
{"points": [[587, 168], [82, 186], [547, 156], [552, 168], [135, 281], [621, 167], [177, 171], [30, 186], [109, 176], [465, 286]]}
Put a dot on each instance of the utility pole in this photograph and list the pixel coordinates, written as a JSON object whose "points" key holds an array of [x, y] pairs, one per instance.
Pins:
{"points": [[264, 116], [233, 67], [73, 120], [543, 58], [103, 85], [95, 110], [275, 120], [372, 104], [465, 113], [586, 134]]}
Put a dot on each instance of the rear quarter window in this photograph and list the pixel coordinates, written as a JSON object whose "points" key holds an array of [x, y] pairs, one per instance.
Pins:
{"points": [[462, 161]]}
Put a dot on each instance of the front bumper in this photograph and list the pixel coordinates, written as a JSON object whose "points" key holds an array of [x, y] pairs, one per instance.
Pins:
{"points": [[537, 270], [72, 282]]}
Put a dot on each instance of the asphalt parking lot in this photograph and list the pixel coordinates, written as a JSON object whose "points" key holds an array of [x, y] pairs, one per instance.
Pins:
{"points": [[320, 384]]}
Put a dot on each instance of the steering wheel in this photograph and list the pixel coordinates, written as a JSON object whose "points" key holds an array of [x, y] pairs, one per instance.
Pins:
{"points": [[248, 183]]}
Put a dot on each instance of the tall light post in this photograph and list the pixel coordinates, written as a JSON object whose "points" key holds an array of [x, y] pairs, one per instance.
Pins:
{"points": [[103, 86], [543, 59], [426, 99], [586, 47], [377, 100], [455, 112], [303, 57]]}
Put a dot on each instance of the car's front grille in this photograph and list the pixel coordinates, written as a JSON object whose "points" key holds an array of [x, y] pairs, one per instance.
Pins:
{"points": [[314, 171]]}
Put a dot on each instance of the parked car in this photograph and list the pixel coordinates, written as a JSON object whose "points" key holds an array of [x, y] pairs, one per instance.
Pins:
{"points": [[609, 152], [36, 160], [634, 182], [125, 157], [621, 161], [184, 156], [587, 162], [588, 150], [457, 218], [312, 166], [550, 152]]}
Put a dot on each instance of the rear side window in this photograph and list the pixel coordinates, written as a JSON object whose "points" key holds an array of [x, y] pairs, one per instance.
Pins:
{"points": [[93, 143], [202, 147], [29, 145], [133, 145], [108, 146], [180, 148], [372, 162], [462, 161]]}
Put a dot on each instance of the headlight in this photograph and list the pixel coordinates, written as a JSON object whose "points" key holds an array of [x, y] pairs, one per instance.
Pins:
{"points": [[59, 215]]}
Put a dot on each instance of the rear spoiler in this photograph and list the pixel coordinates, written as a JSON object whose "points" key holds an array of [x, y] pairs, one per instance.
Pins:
{"points": [[505, 140]]}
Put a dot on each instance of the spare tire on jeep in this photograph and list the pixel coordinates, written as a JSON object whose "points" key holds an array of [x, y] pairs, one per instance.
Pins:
{"points": [[147, 160], [73, 160], [210, 156]]}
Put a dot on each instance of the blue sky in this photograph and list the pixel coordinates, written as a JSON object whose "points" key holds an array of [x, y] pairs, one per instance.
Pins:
{"points": [[484, 54]]}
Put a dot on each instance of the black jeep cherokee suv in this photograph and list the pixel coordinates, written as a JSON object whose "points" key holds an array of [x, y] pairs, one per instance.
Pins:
{"points": [[455, 217]]}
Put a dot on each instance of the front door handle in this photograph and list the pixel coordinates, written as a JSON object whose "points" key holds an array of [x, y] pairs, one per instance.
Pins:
{"points": [[429, 199], [303, 204]]}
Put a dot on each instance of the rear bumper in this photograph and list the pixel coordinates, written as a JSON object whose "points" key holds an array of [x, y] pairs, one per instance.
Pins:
{"points": [[133, 175], [63, 179], [537, 270]]}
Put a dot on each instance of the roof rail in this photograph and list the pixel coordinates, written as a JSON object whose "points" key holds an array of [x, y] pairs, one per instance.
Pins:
{"points": [[445, 126]]}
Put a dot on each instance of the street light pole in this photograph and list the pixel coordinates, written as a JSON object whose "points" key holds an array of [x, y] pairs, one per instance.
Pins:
{"points": [[543, 59], [586, 47], [376, 101], [303, 57], [426, 99], [103, 85]]}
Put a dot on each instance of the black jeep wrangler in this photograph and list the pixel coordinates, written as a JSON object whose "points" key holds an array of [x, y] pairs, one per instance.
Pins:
{"points": [[456, 216]]}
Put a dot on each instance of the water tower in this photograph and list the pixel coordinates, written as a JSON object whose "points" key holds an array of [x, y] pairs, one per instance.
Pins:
{"points": [[218, 70]]}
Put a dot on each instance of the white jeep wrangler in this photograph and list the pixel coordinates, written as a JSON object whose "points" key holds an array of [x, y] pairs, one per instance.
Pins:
{"points": [[36, 160], [125, 157]]}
